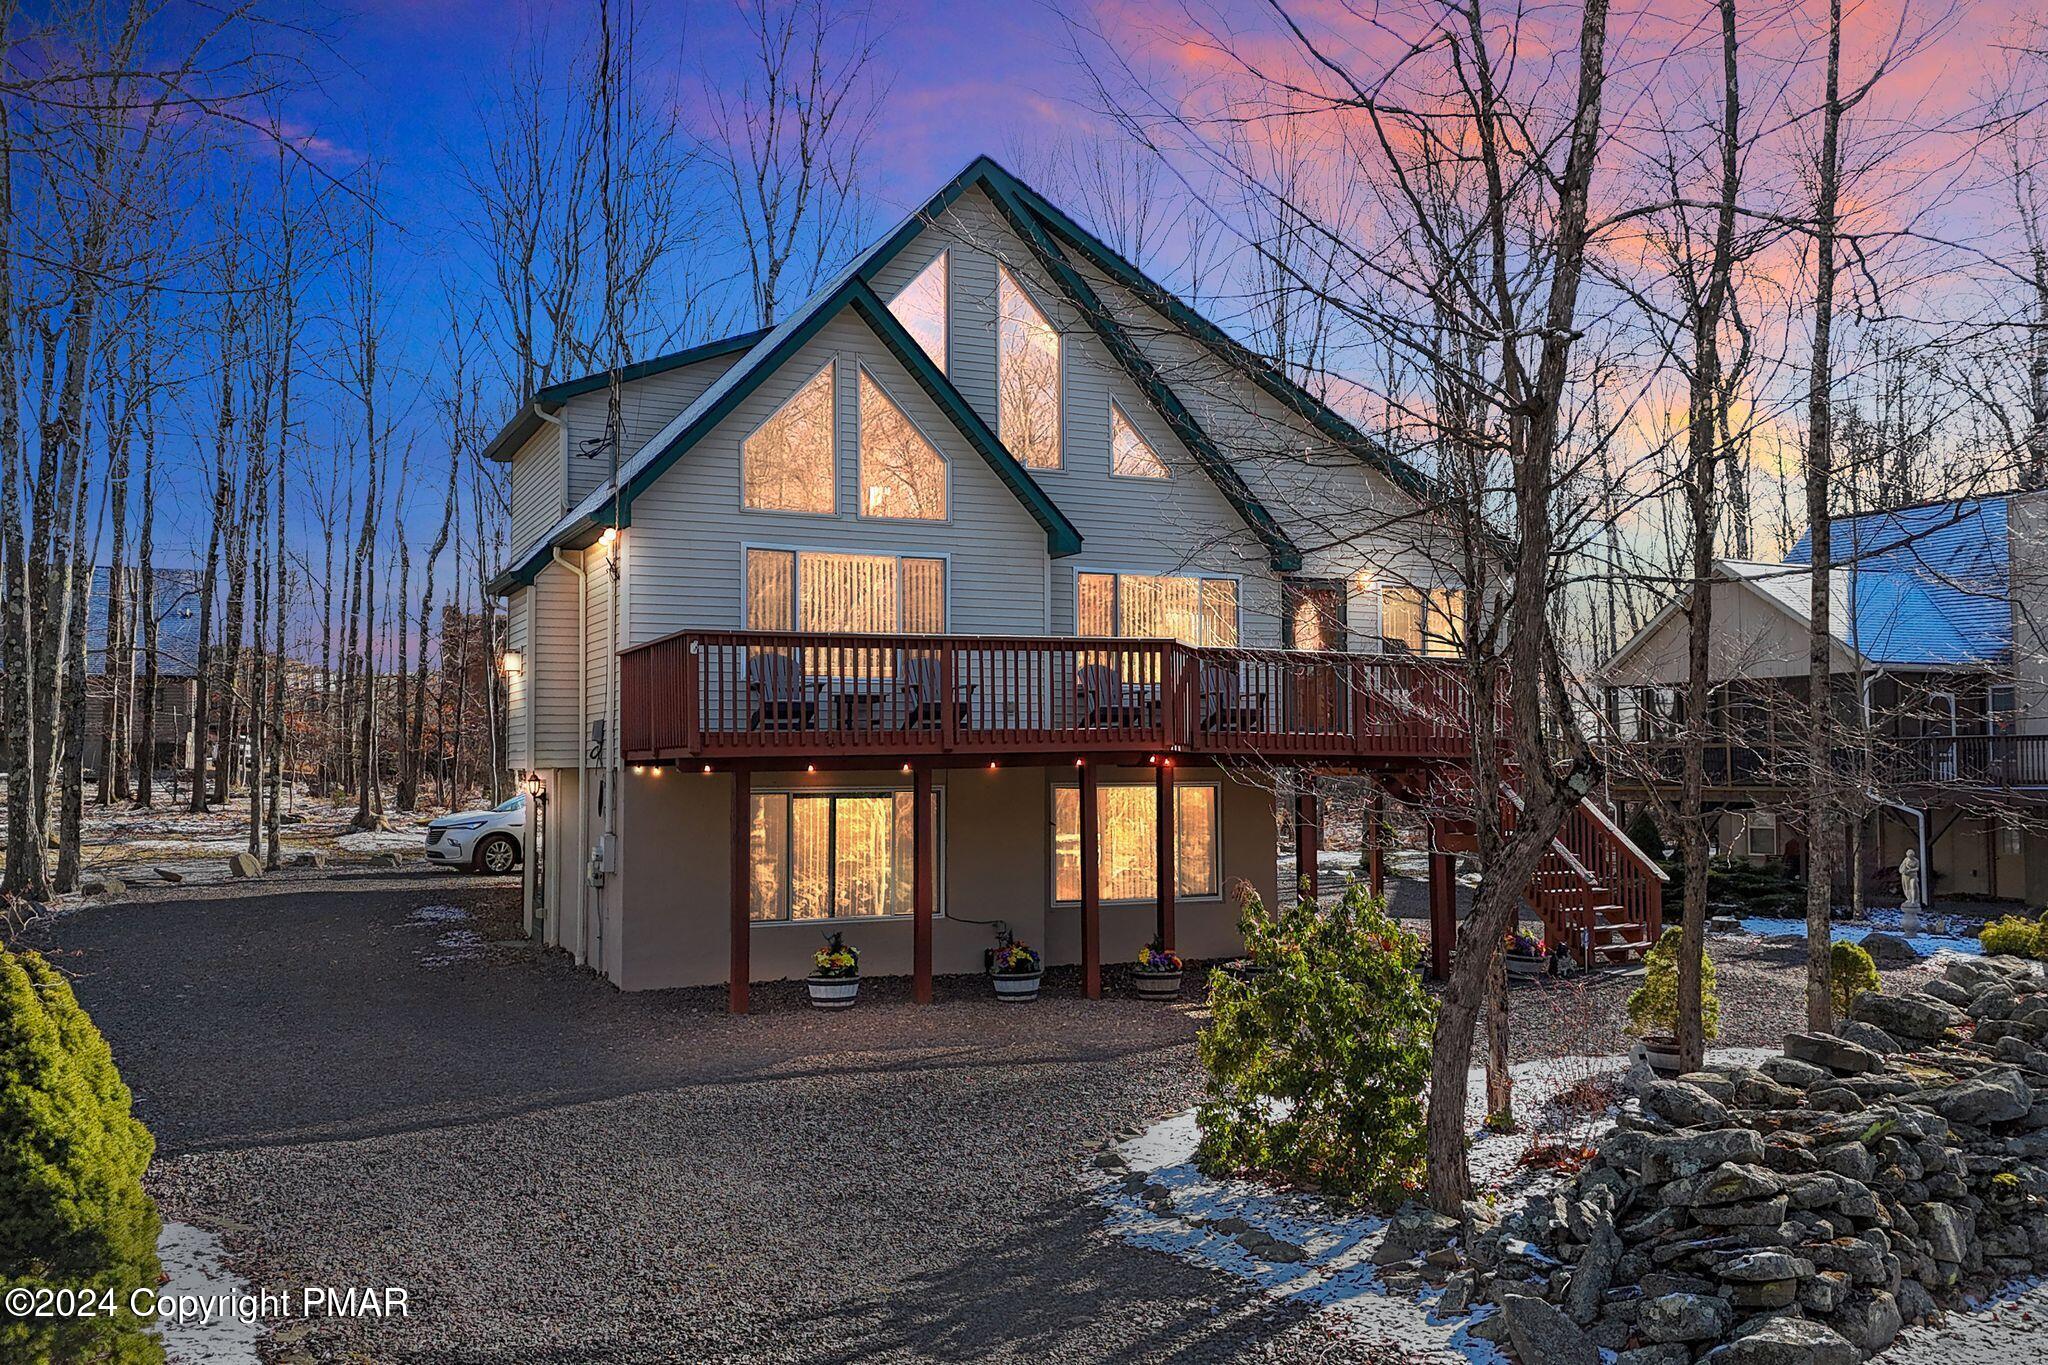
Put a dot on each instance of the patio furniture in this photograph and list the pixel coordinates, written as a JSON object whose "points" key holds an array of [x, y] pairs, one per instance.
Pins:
{"points": [[779, 696], [1106, 699], [1225, 703], [921, 685]]}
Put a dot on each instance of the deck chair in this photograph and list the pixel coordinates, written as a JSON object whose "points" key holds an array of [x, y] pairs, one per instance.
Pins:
{"points": [[920, 691], [1106, 699], [778, 694], [1225, 703]]}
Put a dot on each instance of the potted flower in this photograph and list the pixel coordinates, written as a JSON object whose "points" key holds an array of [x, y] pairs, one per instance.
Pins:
{"points": [[1653, 1006], [1016, 969], [1156, 974], [1527, 954], [835, 974]]}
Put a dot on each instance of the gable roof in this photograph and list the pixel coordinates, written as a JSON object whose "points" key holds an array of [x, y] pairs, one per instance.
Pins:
{"points": [[585, 523], [516, 432]]}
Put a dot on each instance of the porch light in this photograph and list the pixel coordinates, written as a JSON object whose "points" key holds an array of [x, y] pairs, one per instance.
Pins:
{"points": [[638, 770], [810, 767], [608, 536], [536, 785], [906, 767], [707, 770], [991, 765], [513, 662]]}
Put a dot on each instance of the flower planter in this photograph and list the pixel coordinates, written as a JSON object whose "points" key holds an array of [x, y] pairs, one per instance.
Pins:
{"points": [[1017, 988], [1661, 1052], [833, 992], [1518, 965], [1156, 985]]}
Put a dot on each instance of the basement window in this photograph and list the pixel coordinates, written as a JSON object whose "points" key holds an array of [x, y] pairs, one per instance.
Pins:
{"points": [[836, 855]]}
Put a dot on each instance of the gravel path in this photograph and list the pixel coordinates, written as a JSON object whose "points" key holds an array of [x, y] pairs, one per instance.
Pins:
{"points": [[563, 1173]]}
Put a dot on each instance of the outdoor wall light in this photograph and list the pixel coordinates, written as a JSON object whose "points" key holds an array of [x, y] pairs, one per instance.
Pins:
{"points": [[608, 536], [513, 662]]}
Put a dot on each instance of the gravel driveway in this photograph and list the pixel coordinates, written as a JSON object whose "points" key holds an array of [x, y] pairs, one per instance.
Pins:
{"points": [[352, 1092]]}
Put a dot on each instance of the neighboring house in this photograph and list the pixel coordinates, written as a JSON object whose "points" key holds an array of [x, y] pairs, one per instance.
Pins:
{"points": [[1936, 648], [841, 650]]}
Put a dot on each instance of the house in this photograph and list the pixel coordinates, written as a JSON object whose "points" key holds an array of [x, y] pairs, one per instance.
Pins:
{"points": [[990, 553], [1937, 678]]}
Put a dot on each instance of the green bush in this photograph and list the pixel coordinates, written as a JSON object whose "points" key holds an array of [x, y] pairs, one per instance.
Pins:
{"points": [[73, 1213], [2019, 937], [1653, 1006], [1850, 974], [1317, 1063]]}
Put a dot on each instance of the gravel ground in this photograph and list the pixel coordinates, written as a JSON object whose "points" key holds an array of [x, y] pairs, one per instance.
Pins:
{"points": [[560, 1172]]}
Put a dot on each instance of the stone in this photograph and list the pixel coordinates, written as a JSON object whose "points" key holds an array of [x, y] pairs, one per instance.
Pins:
{"points": [[1684, 1317], [1949, 993], [1947, 1231], [1789, 1071], [1761, 1213], [1667, 1354], [1868, 1035], [1915, 1303], [1913, 1017], [1541, 1332], [1269, 1248], [1852, 1159], [1731, 1184], [1861, 1260], [1997, 1097], [1889, 950], [171, 875], [244, 864], [104, 886], [1457, 1295], [1764, 1294], [1824, 1293], [1787, 1341], [387, 859], [1758, 1267], [1869, 1321], [312, 857], [1595, 1270], [1687, 1106], [1833, 1052], [1689, 1153]]}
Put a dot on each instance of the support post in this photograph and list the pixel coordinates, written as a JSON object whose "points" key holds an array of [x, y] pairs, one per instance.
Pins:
{"points": [[1305, 832], [1091, 889], [741, 968], [1443, 909], [923, 857], [1167, 859], [1376, 841]]}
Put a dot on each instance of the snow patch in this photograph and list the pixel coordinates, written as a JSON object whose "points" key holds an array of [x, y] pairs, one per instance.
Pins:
{"points": [[379, 840], [458, 945], [1927, 945], [196, 1263]]}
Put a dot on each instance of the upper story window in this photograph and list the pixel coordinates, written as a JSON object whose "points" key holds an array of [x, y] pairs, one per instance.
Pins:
{"points": [[1193, 610], [1428, 621], [1027, 376], [786, 465], [1131, 456], [819, 590], [921, 308], [901, 473]]}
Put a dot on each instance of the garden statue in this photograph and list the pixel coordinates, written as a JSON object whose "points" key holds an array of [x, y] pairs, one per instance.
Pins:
{"points": [[1909, 892]]}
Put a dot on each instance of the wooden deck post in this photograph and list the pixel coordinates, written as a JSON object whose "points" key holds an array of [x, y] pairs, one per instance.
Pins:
{"points": [[741, 968], [1443, 909], [923, 857], [1091, 889], [1376, 841], [1167, 860], [1305, 831]]}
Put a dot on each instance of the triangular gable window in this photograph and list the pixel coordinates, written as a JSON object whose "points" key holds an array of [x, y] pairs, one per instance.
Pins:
{"points": [[921, 307], [1131, 456], [901, 473], [786, 463]]}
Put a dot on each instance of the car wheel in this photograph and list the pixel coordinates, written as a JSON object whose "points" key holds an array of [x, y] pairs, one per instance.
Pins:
{"points": [[497, 854]]}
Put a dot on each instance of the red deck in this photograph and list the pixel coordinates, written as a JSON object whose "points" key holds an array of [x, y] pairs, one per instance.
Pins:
{"points": [[752, 695]]}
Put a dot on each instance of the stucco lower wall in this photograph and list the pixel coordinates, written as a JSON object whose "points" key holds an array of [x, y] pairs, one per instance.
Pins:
{"points": [[675, 858]]}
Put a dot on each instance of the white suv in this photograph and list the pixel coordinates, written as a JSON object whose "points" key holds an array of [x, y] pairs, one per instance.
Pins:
{"points": [[481, 840]]}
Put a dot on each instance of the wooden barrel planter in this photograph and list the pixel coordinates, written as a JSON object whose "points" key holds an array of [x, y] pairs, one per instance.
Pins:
{"points": [[1151, 985], [833, 992], [1017, 988]]}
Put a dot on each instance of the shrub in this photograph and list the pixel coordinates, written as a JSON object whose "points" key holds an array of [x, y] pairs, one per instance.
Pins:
{"points": [[2019, 937], [73, 1213], [1317, 1064], [1653, 1006], [1850, 974]]}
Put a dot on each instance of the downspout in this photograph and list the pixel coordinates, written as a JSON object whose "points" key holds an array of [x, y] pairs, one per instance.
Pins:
{"points": [[582, 723]]}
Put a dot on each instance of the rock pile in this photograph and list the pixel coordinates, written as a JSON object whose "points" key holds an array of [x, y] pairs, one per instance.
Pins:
{"points": [[1802, 1211]]}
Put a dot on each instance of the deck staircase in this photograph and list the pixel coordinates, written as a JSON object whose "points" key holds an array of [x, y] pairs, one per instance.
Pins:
{"points": [[1594, 891]]}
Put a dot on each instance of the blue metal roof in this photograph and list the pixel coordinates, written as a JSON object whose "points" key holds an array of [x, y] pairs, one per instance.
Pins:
{"points": [[1929, 584]]}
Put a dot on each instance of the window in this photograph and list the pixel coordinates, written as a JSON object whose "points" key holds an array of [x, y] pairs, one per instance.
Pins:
{"points": [[1131, 456], [921, 308], [786, 465], [1128, 835], [901, 473], [1027, 376], [1427, 621], [1315, 614], [1195, 611], [833, 855], [824, 591], [1760, 834]]}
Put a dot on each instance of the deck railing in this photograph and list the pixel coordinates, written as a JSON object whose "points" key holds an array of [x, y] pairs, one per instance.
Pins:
{"points": [[754, 694], [1979, 761]]}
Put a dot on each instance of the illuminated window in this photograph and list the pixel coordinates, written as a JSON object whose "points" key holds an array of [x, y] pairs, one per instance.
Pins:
{"points": [[1128, 835], [1428, 621], [786, 464], [921, 308], [1027, 376], [901, 473], [1131, 456], [823, 591], [834, 855], [1195, 611]]}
